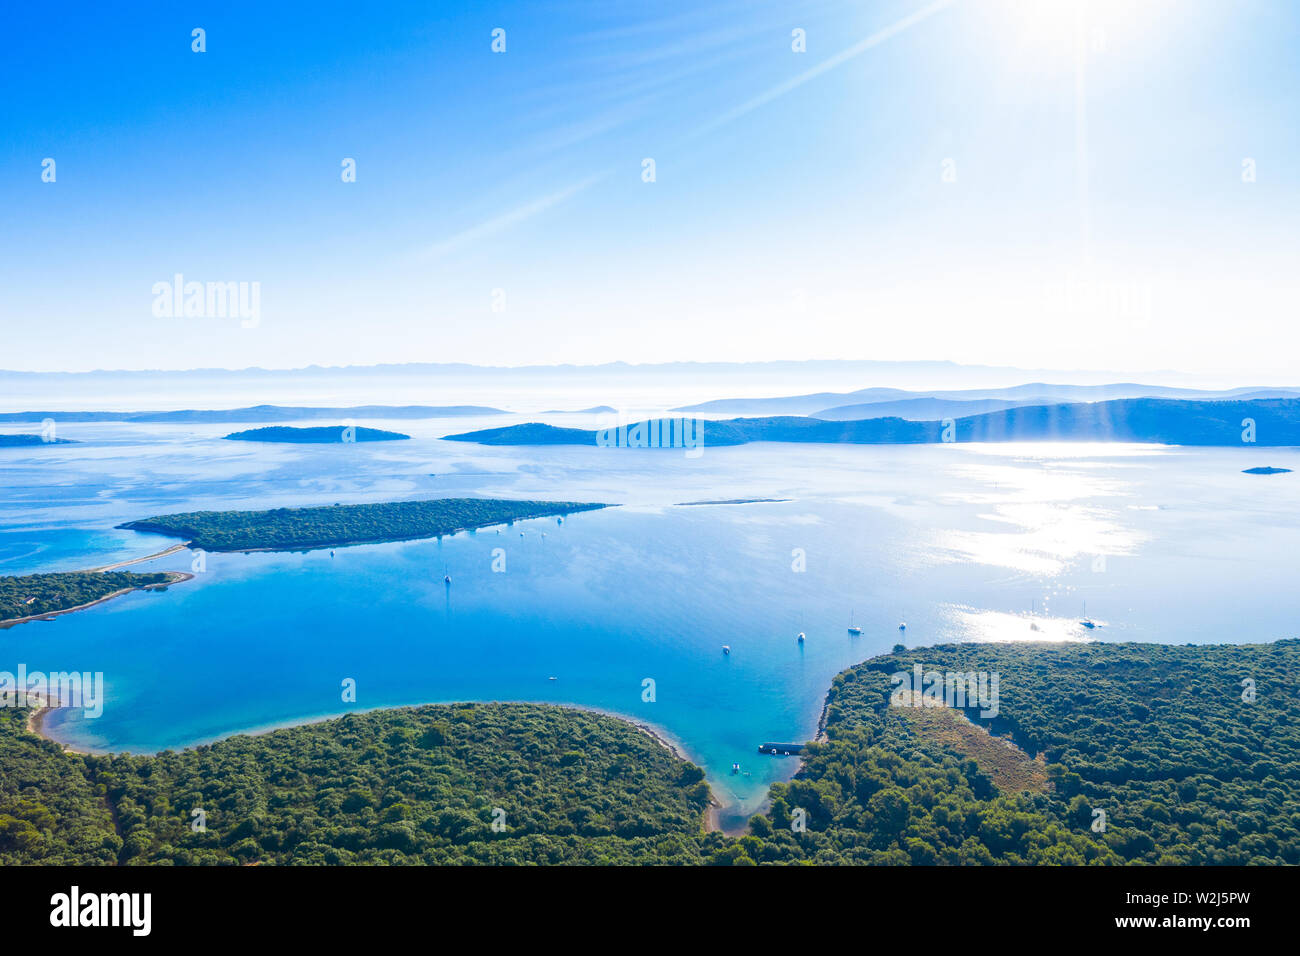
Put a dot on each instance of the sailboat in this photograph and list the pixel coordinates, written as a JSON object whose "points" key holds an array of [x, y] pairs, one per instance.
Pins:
{"points": [[853, 628], [1087, 621], [1033, 609], [445, 575]]}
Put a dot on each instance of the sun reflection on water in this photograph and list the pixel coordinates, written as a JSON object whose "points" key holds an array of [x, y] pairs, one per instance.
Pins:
{"points": [[1002, 627]]}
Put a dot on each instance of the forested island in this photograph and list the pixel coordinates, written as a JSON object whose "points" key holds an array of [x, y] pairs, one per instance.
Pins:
{"points": [[317, 435], [294, 529], [39, 595], [1191, 753]]}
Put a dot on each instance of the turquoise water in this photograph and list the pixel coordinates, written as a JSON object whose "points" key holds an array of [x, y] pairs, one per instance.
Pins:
{"points": [[959, 541]]}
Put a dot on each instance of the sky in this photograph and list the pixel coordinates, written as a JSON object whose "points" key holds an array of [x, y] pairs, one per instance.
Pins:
{"points": [[1092, 184]]}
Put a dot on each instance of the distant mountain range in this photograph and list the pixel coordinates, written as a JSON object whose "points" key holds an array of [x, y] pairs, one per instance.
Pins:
{"points": [[594, 410], [921, 409], [1265, 422], [846, 406], [259, 413]]}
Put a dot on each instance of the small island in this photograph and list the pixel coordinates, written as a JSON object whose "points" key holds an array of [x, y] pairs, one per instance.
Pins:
{"points": [[1265, 470], [316, 435], [302, 529], [35, 596], [732, 501]]}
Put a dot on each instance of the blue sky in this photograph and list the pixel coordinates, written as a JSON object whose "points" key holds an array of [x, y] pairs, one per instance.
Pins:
{"points": [[1056, 183]]}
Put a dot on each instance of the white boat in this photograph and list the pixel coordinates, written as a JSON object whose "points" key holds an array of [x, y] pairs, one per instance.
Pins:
{"points": [[801, 637], [726, 648], [1087, 621], [902, 626], [853, 628]]}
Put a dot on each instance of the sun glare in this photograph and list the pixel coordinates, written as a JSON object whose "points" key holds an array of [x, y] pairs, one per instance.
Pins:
{"points": [[1065, 30]]}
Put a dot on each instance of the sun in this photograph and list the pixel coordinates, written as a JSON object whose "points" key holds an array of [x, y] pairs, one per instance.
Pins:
{"points": [[1064, 30]]}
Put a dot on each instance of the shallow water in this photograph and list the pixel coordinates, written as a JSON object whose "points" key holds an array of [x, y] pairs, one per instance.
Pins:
{"points": [[960, 541]]}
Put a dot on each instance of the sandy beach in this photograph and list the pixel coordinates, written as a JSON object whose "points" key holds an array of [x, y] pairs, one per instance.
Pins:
{"points": [[148, 557]]}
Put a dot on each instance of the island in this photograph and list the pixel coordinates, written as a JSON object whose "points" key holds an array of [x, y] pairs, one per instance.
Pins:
{"points": [[302, 529], [732, 501], [317, 435], [1266, 422], [17, 441], [1265, 470], [35, 596], [737, 431], [1154, 736]]}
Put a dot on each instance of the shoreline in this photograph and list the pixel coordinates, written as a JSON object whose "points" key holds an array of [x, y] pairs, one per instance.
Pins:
{"points": [[712, 813], [303, 547], [36, 724], [174, 577], [148, 557]]}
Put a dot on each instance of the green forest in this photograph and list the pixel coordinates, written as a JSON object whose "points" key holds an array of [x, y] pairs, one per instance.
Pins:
{"points": [[1191, 753], [36, 594], [1158, 737], [413, 785], [283, 529]]}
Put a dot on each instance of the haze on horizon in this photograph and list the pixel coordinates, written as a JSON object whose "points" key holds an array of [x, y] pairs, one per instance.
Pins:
{"points": [[1085, 184]]}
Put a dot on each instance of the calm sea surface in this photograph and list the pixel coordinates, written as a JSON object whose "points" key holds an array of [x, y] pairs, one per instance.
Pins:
{"points": [[961, 542]]}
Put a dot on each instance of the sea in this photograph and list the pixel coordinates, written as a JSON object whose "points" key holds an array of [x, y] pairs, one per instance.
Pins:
{"points": [[631, 609]]}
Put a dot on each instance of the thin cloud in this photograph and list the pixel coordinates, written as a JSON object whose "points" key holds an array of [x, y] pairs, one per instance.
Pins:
{"points": [[506, 220], [877, 38]]}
